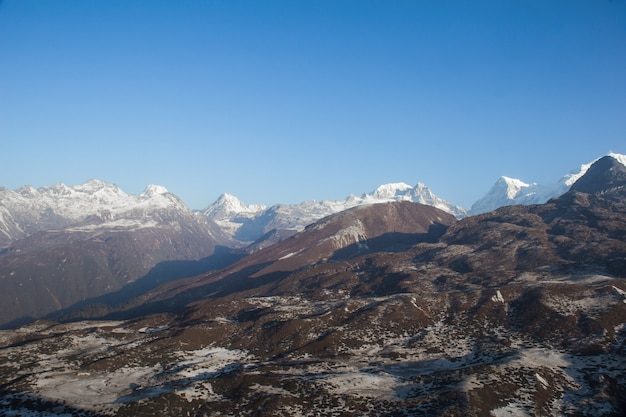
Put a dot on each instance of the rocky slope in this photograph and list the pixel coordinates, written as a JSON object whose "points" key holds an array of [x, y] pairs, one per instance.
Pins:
{"points": [[520, 311]]}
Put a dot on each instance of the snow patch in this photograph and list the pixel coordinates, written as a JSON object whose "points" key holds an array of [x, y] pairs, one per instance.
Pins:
{"points": [[353, 382], [542, 380], [620, 292], [498, 298], [510, 410]]}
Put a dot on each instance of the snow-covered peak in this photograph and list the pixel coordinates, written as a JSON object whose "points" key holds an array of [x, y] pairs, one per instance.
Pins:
{"points": [[506, 192], [92, 185], [152, 190], [509, 191], [58, 189], [228, 206], [250, 222], [512, 187], [28, 210], [27, 190], [391, 190]]}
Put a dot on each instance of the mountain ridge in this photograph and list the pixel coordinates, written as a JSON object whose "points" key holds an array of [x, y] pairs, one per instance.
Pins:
{"points": [[26, 210], [253, 221]]}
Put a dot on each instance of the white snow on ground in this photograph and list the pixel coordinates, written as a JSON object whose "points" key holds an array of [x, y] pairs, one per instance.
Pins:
{"points": [[498, 297], [362, 384], [620, 292], [268, 389], [197, 368], [208, 360], [125, 224], [61, 376], [289, 255], [510, 410], [189, 377], [542, 380], [537, 357], [569, 306], [91, 390]]}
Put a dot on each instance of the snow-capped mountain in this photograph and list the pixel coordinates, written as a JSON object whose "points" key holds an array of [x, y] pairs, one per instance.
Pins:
{"points": [[509, 191], [230, 213], [227, 205], [95, 203], [250, 222]]}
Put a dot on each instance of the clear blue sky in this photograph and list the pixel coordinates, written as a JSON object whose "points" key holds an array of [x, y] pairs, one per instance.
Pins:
{"points": [[286, 101]]}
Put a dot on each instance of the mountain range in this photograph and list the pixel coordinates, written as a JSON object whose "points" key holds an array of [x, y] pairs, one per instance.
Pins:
{"points": [[64, 245], [251, 222], [395, 308]]}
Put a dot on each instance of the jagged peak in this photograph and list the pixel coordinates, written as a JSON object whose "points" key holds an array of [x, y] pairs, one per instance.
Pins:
{"points": [[227, 205], [391, 189], [513, 182], [153, 189], [96, 183], [227, 197], [93, 186], [27, 190]]}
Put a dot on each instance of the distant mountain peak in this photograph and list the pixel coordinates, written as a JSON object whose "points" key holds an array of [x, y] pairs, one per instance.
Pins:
{"points": [[28, 210], [506, 191], [152, 190], [513, 187], [228, 206], [250, 222], [94, 182], [391, 190], [510, 191]]}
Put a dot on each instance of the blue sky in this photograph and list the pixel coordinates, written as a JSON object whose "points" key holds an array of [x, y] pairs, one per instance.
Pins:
{"points": [[286, 101]]}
